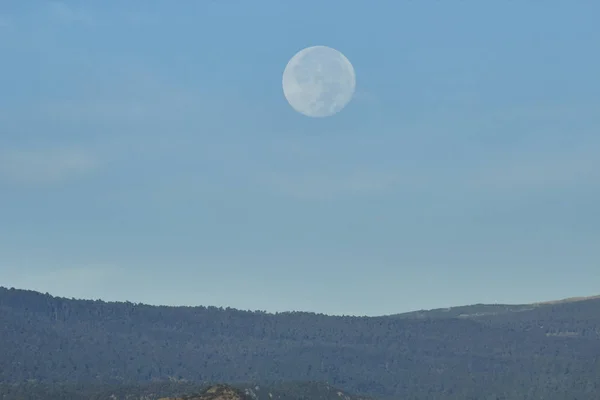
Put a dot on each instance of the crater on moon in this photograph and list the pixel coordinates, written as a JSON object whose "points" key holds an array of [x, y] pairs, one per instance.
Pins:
{"points": [[319, 81]]}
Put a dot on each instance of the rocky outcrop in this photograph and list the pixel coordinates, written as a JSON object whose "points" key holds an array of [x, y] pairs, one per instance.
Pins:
{"points": [[215, 392]]}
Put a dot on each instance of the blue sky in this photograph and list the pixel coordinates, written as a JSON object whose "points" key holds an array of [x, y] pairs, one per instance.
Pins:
{"points": [[147, 153]]}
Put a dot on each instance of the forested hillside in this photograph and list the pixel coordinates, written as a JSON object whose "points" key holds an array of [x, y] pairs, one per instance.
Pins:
{"points": [[548, 351]]}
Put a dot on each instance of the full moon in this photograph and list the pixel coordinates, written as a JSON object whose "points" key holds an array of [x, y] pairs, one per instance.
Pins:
{"points": [[319, 81]]}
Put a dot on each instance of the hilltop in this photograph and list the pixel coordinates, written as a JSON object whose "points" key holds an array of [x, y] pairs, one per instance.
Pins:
{"points": [[477, 351]]}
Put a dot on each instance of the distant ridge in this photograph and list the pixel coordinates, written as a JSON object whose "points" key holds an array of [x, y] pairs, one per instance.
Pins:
{"points": [[422, 312], [567, 300]]}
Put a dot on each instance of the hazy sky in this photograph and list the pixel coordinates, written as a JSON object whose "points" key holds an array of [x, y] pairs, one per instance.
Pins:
{"points": [[147, 154]]}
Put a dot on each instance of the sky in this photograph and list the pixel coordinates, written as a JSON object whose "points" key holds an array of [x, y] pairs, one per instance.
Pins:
{"points": [[148, 154]]}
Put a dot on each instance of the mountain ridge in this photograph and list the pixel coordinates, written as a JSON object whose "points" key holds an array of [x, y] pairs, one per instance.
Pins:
{"points": [[554, 350], [516, 306]]}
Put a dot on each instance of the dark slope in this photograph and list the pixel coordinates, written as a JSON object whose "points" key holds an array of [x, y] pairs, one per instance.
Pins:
{"points": [[54, 339]]}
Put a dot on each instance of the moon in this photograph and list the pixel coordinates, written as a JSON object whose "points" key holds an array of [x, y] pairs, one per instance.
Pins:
{"points": [[319, 81]]}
